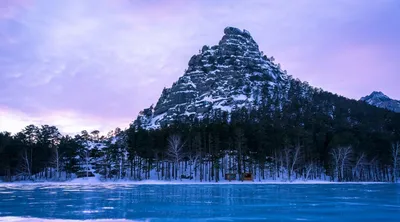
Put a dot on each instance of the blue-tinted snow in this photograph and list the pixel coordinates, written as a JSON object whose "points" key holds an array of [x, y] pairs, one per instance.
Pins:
{"points": [[185, 202]]}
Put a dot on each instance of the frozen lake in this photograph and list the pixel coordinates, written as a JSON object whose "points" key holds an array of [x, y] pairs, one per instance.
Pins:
{"points": [[243, 202]]}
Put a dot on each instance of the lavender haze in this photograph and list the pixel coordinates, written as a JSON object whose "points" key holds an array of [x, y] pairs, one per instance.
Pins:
{"points": [[94, 64]]}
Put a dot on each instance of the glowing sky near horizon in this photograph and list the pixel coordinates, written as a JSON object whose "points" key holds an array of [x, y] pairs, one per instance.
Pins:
{"points": [[94, 64]]}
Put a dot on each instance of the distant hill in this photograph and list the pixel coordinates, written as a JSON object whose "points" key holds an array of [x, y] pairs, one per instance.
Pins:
{"points": [[381, 100]]}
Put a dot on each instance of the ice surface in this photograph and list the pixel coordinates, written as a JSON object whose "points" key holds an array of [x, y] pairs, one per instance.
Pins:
{"points": [[192, 202], [31, 219]]}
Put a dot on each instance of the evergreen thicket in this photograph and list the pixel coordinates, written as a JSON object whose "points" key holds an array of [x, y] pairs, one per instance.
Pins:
{"points": [[302, 133]]}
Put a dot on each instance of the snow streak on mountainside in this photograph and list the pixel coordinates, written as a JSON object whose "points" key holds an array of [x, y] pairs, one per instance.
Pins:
{"points": [[380, 100], [227, 76]]}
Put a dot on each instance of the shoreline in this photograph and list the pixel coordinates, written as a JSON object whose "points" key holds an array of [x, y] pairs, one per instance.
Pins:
{"points": [[156, 182]]}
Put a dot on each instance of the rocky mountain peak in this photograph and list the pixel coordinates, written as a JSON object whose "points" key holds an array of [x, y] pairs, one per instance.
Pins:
{"points": [[236, 39], [222, 77], [378, 95], [379, 99]]}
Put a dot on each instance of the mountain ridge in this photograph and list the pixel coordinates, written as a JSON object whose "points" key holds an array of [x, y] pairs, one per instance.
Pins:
{"points": [[229, 76], [379, 99]]}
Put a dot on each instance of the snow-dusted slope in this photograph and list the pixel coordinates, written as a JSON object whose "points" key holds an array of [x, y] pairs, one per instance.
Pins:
{"points": [[380, 100], [223, 77]]}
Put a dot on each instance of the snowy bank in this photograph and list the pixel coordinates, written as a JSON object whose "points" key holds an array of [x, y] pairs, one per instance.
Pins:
{"points": [[95, 181]]}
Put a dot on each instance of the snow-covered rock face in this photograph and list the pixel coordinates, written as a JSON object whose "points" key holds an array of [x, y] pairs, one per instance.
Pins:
{"points": [[226, 76], [380, 100]]}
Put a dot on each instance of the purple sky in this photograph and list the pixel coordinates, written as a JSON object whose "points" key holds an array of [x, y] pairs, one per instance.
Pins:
{"points": [[94, 64]]}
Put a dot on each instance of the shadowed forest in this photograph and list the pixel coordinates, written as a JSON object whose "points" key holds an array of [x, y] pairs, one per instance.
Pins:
{"points": [[304, 134]]}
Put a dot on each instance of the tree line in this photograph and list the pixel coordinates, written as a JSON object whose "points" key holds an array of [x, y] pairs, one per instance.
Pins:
{"points": [[299, 134]]}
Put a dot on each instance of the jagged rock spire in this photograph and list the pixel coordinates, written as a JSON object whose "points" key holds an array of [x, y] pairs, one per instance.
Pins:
{"points": [[223, 77]]}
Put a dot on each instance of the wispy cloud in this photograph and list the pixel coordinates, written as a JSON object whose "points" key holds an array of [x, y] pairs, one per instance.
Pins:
{"points": [[103, 61], [69, 122]]}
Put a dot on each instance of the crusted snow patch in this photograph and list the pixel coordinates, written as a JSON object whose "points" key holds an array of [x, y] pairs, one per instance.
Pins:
{"points": [[209, 98], [223, 108], [189, 113], [223, 66], [154, 121], [93, 145], [239, 97], [192, 84]]}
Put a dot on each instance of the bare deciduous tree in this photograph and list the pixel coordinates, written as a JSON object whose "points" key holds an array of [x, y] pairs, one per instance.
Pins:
{"points": [[281, 166], [309, 168], [345, 159], [373, 168], [86, 157], [193, 162], [291, 157], [25, 167], [395, 159], [56, 161], [174, 151], [287, 153], [359, 165], [295, 159], [341, 158], [335, 153]]}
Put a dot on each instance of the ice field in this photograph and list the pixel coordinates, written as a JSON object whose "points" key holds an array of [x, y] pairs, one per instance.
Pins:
{"points": [[195, 202]]}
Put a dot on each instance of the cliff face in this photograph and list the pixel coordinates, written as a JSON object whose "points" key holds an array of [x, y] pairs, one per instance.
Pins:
{"points": [[380, 100], [223, 77]]}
